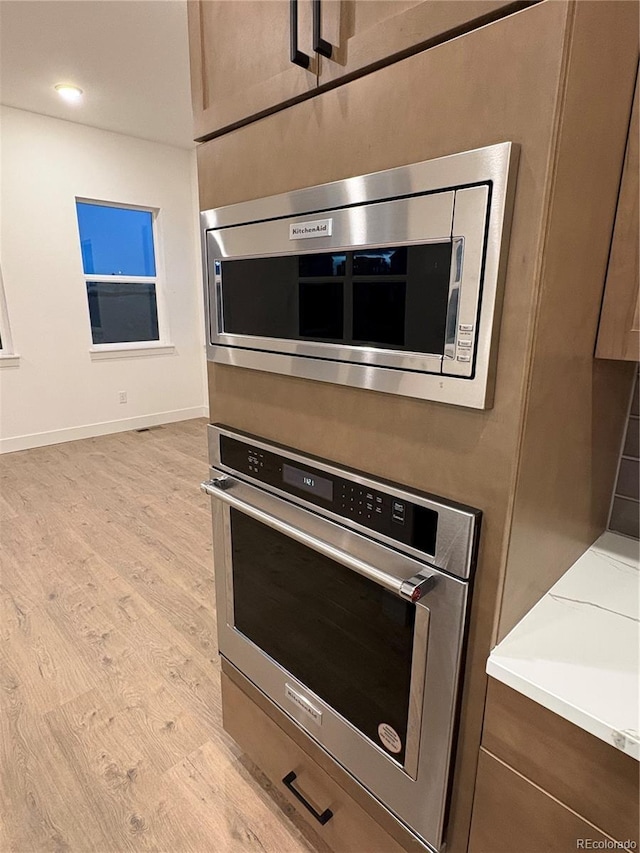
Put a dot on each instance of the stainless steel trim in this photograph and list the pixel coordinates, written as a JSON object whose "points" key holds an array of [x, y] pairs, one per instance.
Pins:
{"points": [[457, 524], [469, 218], [453, 300], [215, 487], [468, 167], [301, 700], [332, 353], [422, 219], [407, 374], [218, 483], [416, 693]]}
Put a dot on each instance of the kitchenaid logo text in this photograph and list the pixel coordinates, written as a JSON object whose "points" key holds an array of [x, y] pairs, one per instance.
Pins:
{"points": [[302, 703], [317, 228]]}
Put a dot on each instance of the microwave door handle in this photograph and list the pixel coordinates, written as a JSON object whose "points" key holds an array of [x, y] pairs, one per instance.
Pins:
{"points": [[411, 590], [297, 56]]}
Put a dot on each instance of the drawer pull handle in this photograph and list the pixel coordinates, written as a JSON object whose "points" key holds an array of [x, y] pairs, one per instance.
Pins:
{"points": [[323, 818]]}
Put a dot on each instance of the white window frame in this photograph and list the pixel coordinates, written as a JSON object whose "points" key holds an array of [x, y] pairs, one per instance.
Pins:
{"points": [[124, 349], [8, 356]]}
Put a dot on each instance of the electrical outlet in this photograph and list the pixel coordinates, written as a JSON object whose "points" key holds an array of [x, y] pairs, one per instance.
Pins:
{"points": [[122, 396]]}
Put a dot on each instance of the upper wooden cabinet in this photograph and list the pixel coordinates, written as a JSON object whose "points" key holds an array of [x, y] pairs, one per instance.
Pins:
{"points": [[241, 65], [240, 60], [366, 33], [619, 332]]}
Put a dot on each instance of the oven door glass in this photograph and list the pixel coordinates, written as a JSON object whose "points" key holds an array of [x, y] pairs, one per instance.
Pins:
{"points": [[392, 297], [344, 637]]}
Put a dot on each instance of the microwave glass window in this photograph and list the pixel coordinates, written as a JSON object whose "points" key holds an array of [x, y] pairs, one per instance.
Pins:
{"points": [[380, 262], [346, 638], [379, 312], [260, 297], [312, 266], [321, 309], [394, 297]]}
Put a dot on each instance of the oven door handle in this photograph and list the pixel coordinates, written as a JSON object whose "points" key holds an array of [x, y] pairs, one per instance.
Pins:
{"points": [[411, 590]]}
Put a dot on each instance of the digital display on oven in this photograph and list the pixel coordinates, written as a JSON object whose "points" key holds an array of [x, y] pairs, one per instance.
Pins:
{"points": [[307, 481]]}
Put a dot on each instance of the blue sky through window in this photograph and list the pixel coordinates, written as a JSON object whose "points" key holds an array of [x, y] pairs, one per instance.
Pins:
{"points": [[116, 240]]}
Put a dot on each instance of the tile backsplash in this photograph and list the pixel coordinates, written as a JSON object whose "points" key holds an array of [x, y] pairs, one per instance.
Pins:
{"points": [[625, 508]]}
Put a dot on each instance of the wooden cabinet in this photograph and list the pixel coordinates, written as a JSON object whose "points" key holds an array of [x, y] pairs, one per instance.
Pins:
{"points": [[510, 813], [619, 332], [240, 50], [542, 798], [543, 481], [240, 60], [390, 117], [367, 33]]}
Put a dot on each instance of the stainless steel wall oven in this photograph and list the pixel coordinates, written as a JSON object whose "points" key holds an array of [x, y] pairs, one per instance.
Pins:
{"points": [[389, 281], [344, 600]]}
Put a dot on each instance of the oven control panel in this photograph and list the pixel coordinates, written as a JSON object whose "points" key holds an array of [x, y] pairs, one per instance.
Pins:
{"points": [[375, 509]]}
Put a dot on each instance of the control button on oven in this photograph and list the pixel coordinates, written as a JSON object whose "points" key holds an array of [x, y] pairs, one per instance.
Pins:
{"points": [[464, 343], [378, 499], [465, 327], [464, 357], [398, 512]]}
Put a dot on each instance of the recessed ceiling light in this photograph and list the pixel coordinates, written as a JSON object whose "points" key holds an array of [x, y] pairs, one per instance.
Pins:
{"points": [[72, 94]]}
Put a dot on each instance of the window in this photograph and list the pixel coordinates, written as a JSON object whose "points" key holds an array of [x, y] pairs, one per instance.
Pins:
{"points": [[8, 357], [119, 263]]}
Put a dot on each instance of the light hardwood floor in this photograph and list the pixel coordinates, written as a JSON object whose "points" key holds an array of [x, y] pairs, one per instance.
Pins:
{"points": [[111, 736]]}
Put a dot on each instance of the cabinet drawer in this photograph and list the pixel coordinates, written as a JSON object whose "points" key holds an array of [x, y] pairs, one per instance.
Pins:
{"points": [[350, 829], [510, 813], [582, 771]]}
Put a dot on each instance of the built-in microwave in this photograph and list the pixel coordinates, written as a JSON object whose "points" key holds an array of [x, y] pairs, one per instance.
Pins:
{"points": [[390, 281]]}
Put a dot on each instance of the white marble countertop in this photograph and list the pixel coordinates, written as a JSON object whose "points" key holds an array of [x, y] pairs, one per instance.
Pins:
{"points": [[577, 652]]}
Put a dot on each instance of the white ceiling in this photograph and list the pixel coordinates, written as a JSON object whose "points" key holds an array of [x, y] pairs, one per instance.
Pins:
{"points": [[130, 57]]}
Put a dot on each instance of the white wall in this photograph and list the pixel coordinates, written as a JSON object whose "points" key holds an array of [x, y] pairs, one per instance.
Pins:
{"points": [[57, 392]]}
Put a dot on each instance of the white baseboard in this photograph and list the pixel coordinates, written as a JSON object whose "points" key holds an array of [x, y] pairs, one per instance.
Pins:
{"points": [[59, 436]]}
